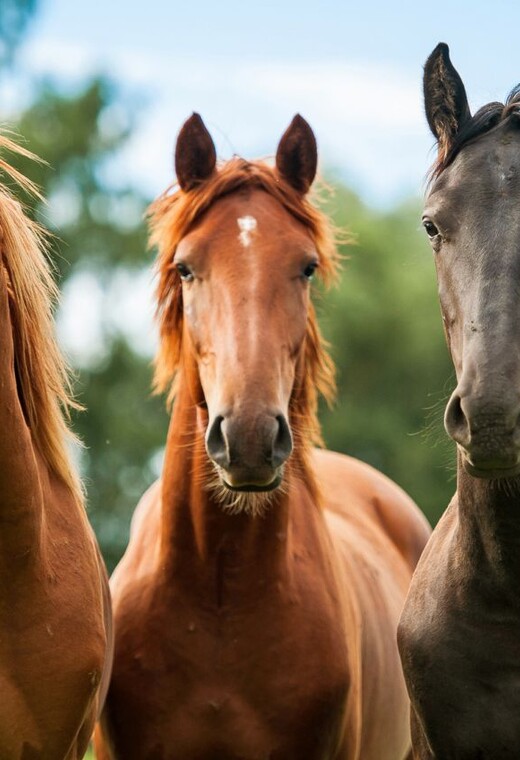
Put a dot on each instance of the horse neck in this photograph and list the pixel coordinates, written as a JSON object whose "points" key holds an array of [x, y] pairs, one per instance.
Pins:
{"points": [[21, 495], [199, 539], [35, 471], [489, 524]]}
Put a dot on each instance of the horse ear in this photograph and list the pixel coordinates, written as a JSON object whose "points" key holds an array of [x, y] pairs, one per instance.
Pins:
{"points": [[195, 155], [297, 155], [445, 99]]}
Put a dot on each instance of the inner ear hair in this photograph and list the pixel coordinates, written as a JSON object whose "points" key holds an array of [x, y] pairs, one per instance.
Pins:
{"points": [[445, 100]]}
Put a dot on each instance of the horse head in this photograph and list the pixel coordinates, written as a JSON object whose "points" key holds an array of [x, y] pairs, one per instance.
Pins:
{"points": [[472, 218], [244, 243]]}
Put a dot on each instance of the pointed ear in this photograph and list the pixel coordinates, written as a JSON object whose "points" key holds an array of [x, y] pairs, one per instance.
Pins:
{"points": [[297, 155], [195, 155], [445, 100]]}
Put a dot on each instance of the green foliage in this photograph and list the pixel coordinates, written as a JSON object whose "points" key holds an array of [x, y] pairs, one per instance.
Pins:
{"points": [[124, 429], [384, 325], [382, 320], [98, 226]]}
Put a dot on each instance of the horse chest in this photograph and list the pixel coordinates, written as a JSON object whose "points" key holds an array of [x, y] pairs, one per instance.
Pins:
{"points": [[230, 685], [461, 655]]}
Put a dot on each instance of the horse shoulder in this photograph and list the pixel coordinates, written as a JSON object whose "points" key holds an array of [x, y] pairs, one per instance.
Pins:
{"points": [[377, 557], [140, 557], [63, 592], [357, 492], [455, 647], [426, 618]]}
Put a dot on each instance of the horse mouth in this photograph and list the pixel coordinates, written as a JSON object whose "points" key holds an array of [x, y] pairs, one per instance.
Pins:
{"points": [[491, 469], [254, 487]]}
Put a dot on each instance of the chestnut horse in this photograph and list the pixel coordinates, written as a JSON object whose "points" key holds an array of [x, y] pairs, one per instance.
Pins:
{"points": [[55, 620], [459, 636], [256, 606]]}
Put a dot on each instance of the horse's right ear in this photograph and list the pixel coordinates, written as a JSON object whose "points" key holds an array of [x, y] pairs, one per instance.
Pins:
{"points": [[445, 99], [195, 155]]}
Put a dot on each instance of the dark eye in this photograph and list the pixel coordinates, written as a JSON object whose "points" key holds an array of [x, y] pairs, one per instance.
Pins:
{"points": [[184, 272], [431, 229], [310, 269]]}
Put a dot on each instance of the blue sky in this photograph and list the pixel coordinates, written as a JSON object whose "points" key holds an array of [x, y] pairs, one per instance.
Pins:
{"points": [[353, 70]]}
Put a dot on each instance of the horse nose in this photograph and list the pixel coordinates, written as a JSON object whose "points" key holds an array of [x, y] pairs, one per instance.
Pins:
{"points": [[250, 448], [468, 417], [487, 429]]}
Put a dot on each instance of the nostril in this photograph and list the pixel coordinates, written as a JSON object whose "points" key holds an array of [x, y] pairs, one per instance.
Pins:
{"points": [[282, 445], [455, 421], [216, 444]]}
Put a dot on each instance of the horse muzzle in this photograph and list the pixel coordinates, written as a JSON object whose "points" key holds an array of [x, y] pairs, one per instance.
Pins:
{"points": [[487, 434], [249, 450]]}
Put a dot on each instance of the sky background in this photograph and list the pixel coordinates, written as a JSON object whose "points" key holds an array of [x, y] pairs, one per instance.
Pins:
{"points": [[353, 71]]}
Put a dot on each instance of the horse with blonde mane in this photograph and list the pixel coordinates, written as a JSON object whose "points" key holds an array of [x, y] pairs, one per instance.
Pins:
{"points": [[257, 603], [55, 618]]}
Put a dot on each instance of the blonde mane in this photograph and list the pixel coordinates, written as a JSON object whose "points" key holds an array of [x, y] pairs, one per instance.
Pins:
{"points": [[172, 216], [42, 374]]}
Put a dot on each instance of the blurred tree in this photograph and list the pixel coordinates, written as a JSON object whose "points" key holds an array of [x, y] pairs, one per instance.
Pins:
{"points": [[14, 17], [384, 325]]}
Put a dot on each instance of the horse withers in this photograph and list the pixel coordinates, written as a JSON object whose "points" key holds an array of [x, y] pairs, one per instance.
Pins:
{"points": [[459, 635], [256, 606], [55, 617]]}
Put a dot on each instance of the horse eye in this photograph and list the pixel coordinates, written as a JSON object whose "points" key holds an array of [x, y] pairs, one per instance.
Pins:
{"points": [[184, 272], [310, 269], [431, 229]]}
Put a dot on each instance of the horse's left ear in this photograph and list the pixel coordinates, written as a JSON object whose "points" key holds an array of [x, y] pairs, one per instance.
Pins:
{"points": [[297, 155], [445, 100], [195, 155]]}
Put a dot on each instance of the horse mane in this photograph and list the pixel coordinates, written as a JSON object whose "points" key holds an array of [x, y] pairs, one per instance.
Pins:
{"points": [[174, 214], [484, 120], [43, 377]]}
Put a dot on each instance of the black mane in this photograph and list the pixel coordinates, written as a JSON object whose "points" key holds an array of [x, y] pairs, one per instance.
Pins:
{"points": [[483, 121]]}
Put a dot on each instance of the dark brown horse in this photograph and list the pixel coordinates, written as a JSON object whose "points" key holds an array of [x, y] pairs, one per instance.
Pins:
{"points": [[256, 606], [55, 621], [459, 635]]}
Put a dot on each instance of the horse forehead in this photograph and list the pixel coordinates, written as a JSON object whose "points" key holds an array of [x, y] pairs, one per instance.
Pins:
{"points": [[250, 215], [482, 183], [492, 159]]}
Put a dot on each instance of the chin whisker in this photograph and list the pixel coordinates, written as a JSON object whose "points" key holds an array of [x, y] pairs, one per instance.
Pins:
{"points": [[253, 503]]}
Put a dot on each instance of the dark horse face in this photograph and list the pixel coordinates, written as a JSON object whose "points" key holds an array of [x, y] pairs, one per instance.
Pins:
{"points": [[245, 269], [472, 218]]}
